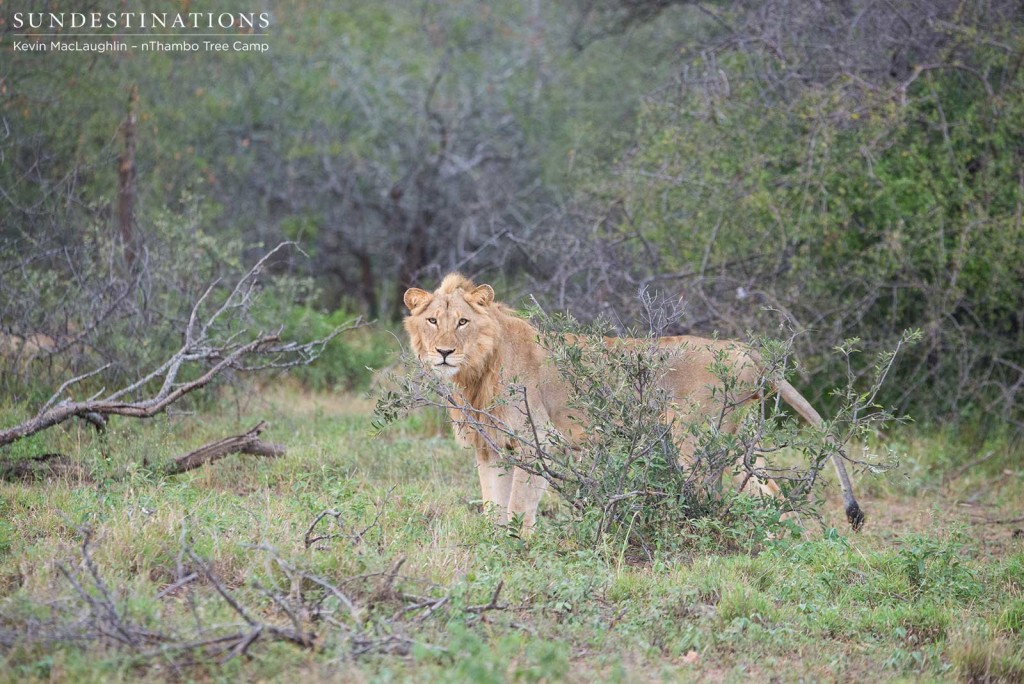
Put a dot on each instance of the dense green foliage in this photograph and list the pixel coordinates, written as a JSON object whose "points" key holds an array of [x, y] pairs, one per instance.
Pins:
{"points": [[851, 213], [855, 168]]}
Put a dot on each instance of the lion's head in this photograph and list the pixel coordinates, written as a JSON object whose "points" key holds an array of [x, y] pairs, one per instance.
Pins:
{"points": [[452, 330]]}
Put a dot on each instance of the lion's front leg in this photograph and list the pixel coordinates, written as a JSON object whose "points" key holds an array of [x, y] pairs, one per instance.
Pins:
{"points": [[495, 482], [527, 490]]}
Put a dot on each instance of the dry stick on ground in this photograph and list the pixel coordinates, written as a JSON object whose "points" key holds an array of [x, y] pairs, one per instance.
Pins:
{"points": [[955, 474], [309, 539], [293, 572], [41, 466], [492, 604], [107, 619], [171, 588], [201, 346], [385, 588], [246, 443], [246, 638], [110, 620], [1005, 521]]}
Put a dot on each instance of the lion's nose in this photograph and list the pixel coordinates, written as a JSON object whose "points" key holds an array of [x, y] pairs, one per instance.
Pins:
{"points": [[444, 353]]}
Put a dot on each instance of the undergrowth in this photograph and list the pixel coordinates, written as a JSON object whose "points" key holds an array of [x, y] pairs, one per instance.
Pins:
{"points": [[934, 594]]}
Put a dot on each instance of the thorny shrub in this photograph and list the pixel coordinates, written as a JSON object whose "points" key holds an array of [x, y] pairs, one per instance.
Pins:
{"points": [[622, 478]]}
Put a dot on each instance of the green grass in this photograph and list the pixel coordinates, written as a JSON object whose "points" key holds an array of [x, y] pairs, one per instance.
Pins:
{"points": [[929, 590]]}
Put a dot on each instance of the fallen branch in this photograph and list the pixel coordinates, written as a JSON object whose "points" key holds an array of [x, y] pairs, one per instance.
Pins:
{"points": [[40, 467], [201, 347], [385, 587], [1005, 521], [47, 418], [246, 638], [955, 474], [247, 443], [492, 605], [316, 609], [104, 615], [309, 539], [171, 588]]}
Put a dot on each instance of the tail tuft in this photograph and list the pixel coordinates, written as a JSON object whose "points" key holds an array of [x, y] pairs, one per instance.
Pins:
{"points": [[855, 516]]}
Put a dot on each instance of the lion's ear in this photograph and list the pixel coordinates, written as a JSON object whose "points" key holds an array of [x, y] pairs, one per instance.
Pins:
{"points": [[414, 296], [482, 295]]}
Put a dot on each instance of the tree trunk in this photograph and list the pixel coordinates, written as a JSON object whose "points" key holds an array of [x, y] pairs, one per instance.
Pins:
{"points": [[126, 182]]}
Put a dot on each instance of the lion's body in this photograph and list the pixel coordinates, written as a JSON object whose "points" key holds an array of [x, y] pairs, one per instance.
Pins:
{"points": [[482, 345]]}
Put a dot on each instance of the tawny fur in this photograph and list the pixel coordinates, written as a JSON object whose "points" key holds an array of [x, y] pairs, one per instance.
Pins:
{"points": [[480, 344]]}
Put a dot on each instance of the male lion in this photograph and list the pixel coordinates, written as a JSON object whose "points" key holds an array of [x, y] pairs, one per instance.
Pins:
{"points": [[464, 335]]}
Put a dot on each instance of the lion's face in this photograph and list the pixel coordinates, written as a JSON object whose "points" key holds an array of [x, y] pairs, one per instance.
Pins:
{"points": [[452, 332]]}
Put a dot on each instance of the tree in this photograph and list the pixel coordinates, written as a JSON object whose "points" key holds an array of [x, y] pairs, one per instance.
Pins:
{"points": [[855, 167]]}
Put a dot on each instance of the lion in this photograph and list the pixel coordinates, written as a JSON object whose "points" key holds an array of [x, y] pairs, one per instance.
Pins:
{"points": [[464, 335]]}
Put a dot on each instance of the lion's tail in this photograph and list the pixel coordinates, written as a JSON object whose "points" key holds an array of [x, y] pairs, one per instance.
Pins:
{"points": [[804, 408]]}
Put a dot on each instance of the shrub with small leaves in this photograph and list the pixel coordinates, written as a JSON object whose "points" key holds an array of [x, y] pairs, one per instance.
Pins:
{"points": [[621, 474]]}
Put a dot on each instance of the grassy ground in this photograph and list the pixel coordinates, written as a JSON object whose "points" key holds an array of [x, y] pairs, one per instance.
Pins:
{"points": [[931, 589]]}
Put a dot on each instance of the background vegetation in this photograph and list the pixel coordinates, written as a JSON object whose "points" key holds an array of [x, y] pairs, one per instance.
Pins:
{"points": [[848, 170], [814, 170]]}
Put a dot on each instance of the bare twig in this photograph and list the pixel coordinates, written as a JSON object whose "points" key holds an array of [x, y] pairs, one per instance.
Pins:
{"points": [[105, 613], [385, 588], [1005, 521], [228, 598], [304, 639], [60, 390], [956, 474], [309, 539], [338, 594], [490, 605], [171, 588], [111, 623]]}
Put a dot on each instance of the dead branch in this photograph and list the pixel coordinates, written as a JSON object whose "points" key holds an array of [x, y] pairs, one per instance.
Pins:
{"points": [[385, 590], [105, 618], [224, 593], [492, 604], [309, 539], [171, 588], [247, 443], [41, 467], [426, 605], [246, 639], [204, 345], [338, 594], [956, 474], [1005, 521], [314, 604]]}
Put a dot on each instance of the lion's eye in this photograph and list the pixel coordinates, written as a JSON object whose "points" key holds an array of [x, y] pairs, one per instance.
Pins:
{"points": [[463, 321], [432, 321]]}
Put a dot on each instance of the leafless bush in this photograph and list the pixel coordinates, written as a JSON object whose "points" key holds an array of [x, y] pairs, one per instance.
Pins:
{"points": [[214, 342], [373, 613]]}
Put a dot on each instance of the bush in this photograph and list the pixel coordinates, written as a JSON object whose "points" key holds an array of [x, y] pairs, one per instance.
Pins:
{"points": [[623, 478], [858, 209]]}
